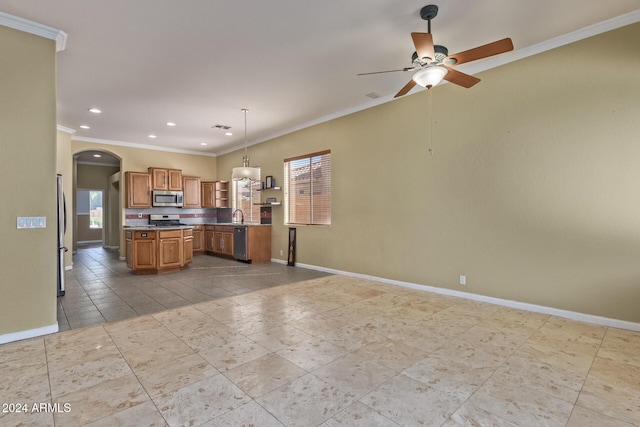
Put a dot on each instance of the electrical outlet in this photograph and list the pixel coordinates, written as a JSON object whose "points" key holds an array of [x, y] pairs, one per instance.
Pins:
{"points": [[463, 280], [281, 252], [140, 215]]}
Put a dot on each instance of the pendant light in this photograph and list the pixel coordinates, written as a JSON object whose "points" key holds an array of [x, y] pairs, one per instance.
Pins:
{"points": [[245, 172]]}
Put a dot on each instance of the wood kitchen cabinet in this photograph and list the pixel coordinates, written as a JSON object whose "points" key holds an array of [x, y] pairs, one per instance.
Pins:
{"points": [[222, 194], [170, 249], [226, 246], [223, 240], [141, 250], [209, 231], [258, 243], [138, 190], [208, 194], [215, 194], [198, 238], [187, 251], [159, 251], [191, 188], [166, 179], [219, 239]]}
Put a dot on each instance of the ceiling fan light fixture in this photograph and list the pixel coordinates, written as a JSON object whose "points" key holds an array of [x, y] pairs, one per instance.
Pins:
{"points": [[430, 76], [245, 172]]}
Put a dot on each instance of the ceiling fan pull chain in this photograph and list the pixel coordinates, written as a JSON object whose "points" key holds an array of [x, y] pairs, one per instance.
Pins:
{"points": [[430, 113]]}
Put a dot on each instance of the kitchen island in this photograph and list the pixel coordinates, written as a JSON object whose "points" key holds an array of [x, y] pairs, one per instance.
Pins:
{"points": [[154, 250]]}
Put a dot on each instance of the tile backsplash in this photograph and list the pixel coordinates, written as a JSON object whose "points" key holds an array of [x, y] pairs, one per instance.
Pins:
{"points": [[137, 217]]}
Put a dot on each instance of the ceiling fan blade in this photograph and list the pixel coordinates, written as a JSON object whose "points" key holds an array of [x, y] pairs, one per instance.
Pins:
{"points": [[424, 45], [461, 79], [484, 51], [406, 88], [389, 71]]}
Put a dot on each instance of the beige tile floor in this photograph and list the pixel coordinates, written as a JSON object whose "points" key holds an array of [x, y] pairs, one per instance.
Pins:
{"points": [[331, 351]]}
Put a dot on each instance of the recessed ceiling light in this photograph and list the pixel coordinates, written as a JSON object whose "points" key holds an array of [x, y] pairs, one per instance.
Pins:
{"points": [[228, 133], [95, 110], [97, 155], [84, 127], [152, 136], [170, 124], [203, 143]]}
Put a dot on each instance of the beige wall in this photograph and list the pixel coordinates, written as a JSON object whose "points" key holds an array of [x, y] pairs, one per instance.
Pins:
{"points": [[531, 192], [94, 177], [65, 168], [28, 171]]}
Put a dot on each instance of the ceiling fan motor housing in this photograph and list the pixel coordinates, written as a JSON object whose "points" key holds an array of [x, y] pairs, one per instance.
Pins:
{"points": [[440, 51]]}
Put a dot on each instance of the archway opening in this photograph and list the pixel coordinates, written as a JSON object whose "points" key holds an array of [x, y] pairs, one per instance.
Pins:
{"points": [[96, 184]]}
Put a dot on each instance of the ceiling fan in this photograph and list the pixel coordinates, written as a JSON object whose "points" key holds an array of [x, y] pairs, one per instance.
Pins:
{"points": [[432, 63]]}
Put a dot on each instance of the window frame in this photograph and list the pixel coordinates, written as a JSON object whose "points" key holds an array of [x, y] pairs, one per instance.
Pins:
{"points": [[289, 204], [251, 216]]}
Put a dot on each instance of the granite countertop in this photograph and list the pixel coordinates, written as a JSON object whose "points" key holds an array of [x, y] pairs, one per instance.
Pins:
{"points": [[237, 224], [153, 227], [187, 226]]}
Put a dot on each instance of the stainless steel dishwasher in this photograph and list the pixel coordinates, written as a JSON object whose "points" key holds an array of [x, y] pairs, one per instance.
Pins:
{"points": [[240, 243]]}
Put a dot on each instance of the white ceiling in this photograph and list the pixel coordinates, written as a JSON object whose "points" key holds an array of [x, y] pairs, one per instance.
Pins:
{"points": [[290, 62]]}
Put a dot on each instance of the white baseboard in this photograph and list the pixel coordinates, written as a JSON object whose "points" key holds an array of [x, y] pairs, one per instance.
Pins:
{"points": [[88, 242], [572, 315], [111, 247], [31, 333], [122, 258], [68, 267]]}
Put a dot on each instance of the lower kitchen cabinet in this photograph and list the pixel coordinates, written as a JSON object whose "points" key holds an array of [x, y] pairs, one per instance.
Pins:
{"points": [[209, 232], [219, 239], [170, 249], [159, 251], [141, 250], [187, 249], [198, 239]]}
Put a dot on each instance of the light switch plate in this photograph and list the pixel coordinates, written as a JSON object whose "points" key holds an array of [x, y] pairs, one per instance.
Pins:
{"points": [[31, 222]]}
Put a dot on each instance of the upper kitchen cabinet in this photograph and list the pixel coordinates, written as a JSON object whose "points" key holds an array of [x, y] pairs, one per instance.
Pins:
{"points": [[166, 179], [215, 194], [138, 189], [208, 194], [191, 188], [222, 194]]}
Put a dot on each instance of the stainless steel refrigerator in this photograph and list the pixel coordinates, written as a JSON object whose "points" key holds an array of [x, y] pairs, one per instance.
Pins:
{"points": [[62, 228]]}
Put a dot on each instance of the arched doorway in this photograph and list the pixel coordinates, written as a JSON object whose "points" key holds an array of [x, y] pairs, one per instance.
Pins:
{"points": [[96, 206]]}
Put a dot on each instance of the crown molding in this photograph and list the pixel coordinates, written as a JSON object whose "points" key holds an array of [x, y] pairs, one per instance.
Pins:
{"points": [[66, 129], [565, 39], [143, 146], [34, 28]]}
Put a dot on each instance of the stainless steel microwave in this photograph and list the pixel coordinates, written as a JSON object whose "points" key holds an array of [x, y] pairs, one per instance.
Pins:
{"points": [[167, 198]]}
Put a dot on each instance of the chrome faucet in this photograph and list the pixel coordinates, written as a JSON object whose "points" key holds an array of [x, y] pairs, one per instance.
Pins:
{"points": [[233, 216]]}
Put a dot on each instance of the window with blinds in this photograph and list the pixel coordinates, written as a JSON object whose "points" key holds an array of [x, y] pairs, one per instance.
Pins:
{"points": [[307, 189]]}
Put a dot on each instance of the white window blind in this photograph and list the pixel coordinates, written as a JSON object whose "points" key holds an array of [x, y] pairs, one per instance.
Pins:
{"points": [[307, 189]]}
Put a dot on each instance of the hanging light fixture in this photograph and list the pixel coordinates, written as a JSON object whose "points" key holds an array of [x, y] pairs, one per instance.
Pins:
{"points": [[430, 76], [245, 172]]}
